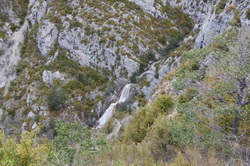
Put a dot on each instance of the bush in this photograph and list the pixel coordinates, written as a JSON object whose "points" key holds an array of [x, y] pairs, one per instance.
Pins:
{"points": [[173, 43], [69, 137], [187, 74], [145, 59], [26, 151], [137, 130], [221, 5], [76, 23], [163, 103], [74, 144], [133, 77], [108, 128], [188, 95], [57, 98], [248, 14]]}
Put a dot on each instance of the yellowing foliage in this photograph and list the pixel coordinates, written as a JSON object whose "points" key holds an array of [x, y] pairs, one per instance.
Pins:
{"points": [[26, 152]]}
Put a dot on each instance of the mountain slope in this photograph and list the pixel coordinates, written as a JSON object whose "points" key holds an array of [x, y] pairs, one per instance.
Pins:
{"points": [[88, 49], [154, 74]]}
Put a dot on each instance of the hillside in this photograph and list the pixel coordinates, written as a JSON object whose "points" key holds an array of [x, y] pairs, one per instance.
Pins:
{"points": [[146, 82]]}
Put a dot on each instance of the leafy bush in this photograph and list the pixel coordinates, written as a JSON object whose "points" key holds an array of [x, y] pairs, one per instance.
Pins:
{"points": [[137, 130], [188, 95], [74, 144], [57, 98], [108, 128], [163, 103], [145, 59], [186, 75], [26, 151], [248, 14], [173, 43], [69, 137], [236, 21], [76, 23], [221, 5]]}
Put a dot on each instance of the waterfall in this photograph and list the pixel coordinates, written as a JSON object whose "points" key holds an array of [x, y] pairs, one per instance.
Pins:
{"points": [[109, 112], [125, 93]]}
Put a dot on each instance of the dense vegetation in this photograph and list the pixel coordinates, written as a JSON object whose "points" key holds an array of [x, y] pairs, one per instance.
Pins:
{"points": [[205, 121]]}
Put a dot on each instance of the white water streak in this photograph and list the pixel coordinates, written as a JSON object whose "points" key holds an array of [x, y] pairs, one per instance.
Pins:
{"points": [[110, 111]]}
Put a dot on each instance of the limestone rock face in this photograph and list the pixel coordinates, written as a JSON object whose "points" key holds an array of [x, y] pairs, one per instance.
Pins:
{"points": [[57, 75], [37, 11], [130, 65], [197, 9], [11, 54], [34, 126], [210, 20], [47, 35], [1, 114], [48, 77], [31, 115], [168, 66], [147, 5], [210, 28], [86, 54]]}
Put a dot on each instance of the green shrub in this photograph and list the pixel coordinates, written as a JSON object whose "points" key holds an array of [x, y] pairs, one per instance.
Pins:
{"points": [[87, 28], [188, 95], [221, 5], [54, 18], [69, 137], [134, 76], [108, 128], [26, 151], [74, 144], [57, 98], [21, 66], [137, 129], [145, 59], [145, 117], [76, 23], [248, 14], [2, 35], [236, 21], [173, 43], [186, 75], [163, 103]]}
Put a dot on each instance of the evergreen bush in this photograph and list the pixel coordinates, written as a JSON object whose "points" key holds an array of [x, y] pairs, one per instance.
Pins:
{"points": [[57, 98]]}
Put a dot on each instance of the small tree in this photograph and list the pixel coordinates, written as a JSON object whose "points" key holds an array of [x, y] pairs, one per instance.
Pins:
{"points": [[232, 70], [57, 98]]}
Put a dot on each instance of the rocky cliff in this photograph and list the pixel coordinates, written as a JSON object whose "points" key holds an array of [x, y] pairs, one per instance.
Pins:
{"points": [[211, 17], [92, 49]]}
